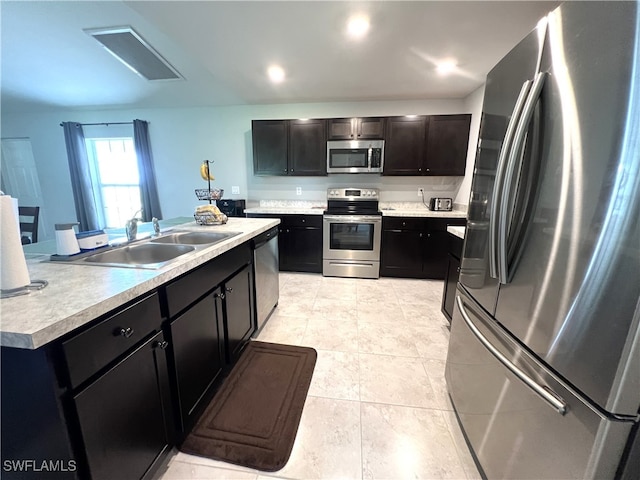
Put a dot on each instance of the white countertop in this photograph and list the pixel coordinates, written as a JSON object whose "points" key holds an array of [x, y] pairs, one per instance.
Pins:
{"points": [[388, 209], [457, 231], [78, 294]]}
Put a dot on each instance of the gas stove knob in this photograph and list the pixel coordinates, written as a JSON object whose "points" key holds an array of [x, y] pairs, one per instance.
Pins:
{"points": [[373, 194], [367, 193]]}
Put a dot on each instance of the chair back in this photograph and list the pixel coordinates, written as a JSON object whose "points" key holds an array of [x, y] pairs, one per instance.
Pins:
{"points": [[29, 227]]}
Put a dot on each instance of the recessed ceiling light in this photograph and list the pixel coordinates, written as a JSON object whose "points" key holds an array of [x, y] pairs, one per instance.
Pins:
{"points": [[276, 73], [446, 67], [358, 26]]}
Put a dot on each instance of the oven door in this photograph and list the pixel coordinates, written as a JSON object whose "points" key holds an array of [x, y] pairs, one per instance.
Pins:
{"points": [[352, 237]]}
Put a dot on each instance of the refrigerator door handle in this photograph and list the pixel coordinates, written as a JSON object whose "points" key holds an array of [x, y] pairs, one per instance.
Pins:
{"points": [[495, 208], [515, 159], [553, 399]]}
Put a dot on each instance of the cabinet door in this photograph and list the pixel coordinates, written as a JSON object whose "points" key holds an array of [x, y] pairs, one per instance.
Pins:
{"points": [[450, 283], [238, 304], [370, 128], [123, 416], [196, 338], [436, 246], [304, 249], [447, 141], [307, 147], [356, 128], [269, 147], [401, 253], [341, 128], [404, 146]]}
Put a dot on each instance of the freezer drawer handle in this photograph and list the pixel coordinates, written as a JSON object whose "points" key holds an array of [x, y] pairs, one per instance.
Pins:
{"points": [[543, 391]]}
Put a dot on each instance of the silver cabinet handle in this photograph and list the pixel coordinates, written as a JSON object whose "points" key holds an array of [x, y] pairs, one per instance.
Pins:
{"points": [[161, 344], [494, 208], [125, 332], [543, 391]]}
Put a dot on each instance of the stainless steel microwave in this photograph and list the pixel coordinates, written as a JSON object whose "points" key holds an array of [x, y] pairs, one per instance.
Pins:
{"points": [[355, 156]]}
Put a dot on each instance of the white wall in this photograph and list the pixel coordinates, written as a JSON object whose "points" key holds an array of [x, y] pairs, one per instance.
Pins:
{"points": [[181, 138], [473, 103]]}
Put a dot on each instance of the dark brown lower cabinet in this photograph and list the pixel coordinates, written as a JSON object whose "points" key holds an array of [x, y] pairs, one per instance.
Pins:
{"points": [[299, 242], [238, 317], [450, 283], [415, 247], [211, 311], [453, 273], [198, 356], [401, 253], [123, 415]]}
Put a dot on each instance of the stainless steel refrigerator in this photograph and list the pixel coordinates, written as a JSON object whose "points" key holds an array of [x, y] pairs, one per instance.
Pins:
{"points": [[543, 367]]}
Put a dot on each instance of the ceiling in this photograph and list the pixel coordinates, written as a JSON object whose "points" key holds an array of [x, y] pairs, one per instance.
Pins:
{"points": [[222, 49]]}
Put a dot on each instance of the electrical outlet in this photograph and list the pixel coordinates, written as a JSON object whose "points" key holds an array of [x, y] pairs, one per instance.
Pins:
{"points": [[235, 190], [298, 190], [421, 192]]}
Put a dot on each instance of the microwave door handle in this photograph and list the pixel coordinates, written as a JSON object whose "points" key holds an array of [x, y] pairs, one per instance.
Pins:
{"points": [[369, 155], [494, 208]]}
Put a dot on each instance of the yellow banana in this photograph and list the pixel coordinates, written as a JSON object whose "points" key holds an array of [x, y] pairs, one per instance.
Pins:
{"points": [[205, 173]]}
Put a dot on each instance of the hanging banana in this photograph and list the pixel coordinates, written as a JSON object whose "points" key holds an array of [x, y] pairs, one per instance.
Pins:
{"points": [[205, 173]]}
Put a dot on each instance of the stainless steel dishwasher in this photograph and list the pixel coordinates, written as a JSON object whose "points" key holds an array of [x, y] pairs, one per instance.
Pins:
{"points": [[266, 265]]}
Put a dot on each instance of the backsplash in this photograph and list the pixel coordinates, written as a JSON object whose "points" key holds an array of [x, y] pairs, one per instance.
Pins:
{"points": [[314, 189]]}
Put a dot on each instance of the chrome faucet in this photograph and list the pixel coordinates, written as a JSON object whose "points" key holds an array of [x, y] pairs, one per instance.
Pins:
{"points": [[156, 226], [131, 227]]}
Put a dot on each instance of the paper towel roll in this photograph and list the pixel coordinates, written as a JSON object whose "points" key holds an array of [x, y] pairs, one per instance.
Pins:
{"points": [[13, 265]]}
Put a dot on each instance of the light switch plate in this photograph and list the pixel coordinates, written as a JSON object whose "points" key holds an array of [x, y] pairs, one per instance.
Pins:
{"points": [[235, 190], [298, 190]]}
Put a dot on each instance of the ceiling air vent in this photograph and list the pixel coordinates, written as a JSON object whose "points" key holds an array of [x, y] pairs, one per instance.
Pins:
{"points": [[126, 45]]}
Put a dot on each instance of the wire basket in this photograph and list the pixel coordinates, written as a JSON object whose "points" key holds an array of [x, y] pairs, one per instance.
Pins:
{"points": [[209, 194], [209, 219]]}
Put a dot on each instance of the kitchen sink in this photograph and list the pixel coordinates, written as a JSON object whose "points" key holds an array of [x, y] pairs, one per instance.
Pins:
{"points": [[150, 253], [194, 238], [145, 255]]}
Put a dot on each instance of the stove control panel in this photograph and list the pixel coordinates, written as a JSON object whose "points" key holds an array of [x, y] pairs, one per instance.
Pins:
{"points": [[352, 193]]}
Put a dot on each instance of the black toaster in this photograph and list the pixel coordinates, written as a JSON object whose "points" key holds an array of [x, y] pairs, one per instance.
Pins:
{"points": [[440, 204]]}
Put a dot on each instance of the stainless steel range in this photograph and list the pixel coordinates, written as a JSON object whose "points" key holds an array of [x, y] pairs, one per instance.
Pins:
{"points": [[352, 226]]}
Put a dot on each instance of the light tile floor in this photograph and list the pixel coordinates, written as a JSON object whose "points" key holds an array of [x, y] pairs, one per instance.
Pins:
{"points": [[377, 407]]}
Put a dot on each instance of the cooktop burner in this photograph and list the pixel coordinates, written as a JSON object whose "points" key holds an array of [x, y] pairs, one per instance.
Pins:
{"points": [[352, 201]]}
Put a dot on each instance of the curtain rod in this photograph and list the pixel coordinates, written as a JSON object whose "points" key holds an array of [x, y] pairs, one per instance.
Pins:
{"points": [[104, 123]]}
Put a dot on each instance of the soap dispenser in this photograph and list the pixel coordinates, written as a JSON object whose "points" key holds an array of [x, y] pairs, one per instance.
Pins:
{"points": [[66, 241]]}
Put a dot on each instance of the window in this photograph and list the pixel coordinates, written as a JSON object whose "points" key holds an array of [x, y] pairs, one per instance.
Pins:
{"points": [[114, 169]]}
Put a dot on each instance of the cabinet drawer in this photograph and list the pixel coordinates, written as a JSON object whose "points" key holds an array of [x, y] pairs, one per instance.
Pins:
{"points": [[301, 221], [187, 289], [94, 348], [402, 223]]}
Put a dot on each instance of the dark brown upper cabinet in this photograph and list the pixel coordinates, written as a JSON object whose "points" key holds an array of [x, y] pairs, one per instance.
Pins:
{"points": [[366, 128], [307, 147], [269, 147], [427, 145], [447, 142], [289, 147], [404, 144]]}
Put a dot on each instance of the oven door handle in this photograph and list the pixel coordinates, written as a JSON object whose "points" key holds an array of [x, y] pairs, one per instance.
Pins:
{"points": [[353, 218]]}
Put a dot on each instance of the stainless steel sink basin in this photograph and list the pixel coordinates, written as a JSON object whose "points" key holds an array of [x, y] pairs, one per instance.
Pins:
{"points": [[194, 238], [145, 255]]}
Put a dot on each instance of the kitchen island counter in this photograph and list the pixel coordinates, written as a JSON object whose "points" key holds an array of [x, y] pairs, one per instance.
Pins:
{"points": [[78, 294]]}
